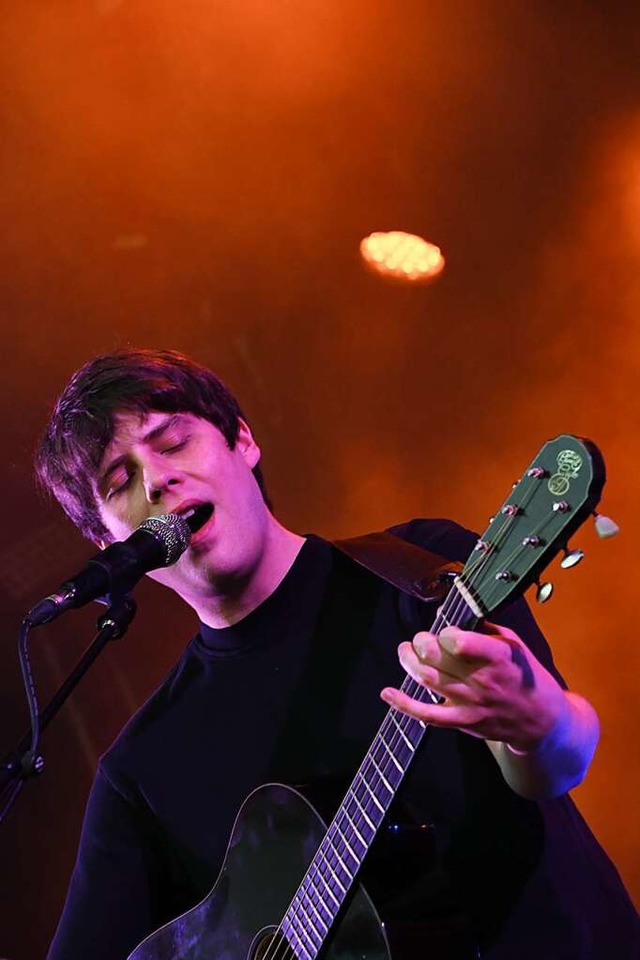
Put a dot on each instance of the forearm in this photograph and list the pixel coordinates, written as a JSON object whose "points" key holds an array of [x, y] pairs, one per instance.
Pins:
{"points": [[561, 759]]}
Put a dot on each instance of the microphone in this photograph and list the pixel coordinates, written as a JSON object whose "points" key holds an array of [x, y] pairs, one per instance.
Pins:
{"points": [[158, 542]]}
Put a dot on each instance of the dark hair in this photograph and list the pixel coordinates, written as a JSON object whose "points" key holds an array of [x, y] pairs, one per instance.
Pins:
{"points": [[82, 423]]}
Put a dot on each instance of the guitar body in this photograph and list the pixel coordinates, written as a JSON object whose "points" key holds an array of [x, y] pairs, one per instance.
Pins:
{"points": [[274, 839]]}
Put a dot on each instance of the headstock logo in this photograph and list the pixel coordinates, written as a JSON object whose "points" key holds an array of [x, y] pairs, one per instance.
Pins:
{"points": [[569, 463]]}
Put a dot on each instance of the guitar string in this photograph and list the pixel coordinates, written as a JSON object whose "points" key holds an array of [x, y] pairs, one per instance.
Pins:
{"points": [[503, 533], [492, 594], [535, 531], [347, 836]]}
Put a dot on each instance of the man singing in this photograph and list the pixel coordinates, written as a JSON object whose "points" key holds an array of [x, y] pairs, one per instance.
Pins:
{"points": [[298, 652]]}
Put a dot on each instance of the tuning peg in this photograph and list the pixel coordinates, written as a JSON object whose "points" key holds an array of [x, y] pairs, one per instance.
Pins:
{"points": [[544, 591], [605, 526], [571, 558]]}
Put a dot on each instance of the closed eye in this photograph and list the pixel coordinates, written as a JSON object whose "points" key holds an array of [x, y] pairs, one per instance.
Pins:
{"points": [[119, 485], [174, 447]]}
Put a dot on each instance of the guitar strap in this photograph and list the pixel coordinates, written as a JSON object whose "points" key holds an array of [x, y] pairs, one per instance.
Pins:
{"points": [[421, 577], [411, 569]]}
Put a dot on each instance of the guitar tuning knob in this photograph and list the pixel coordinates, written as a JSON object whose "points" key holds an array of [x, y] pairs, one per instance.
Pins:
{"points": [[605, 526], [571, 558], [544, 591]]}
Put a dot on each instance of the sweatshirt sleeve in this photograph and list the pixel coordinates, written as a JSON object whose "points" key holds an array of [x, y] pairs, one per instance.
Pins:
{"points": [[107, 911]]}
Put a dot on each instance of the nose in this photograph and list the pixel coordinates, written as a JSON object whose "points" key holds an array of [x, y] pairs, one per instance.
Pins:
{"points": [[158, 477]]}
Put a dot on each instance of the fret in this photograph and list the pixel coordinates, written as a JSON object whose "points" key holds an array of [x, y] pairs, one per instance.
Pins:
{"points": [[308, 900], [373, 796], [302, 929], [394, 719], [305, 899], [327, 886], [349, 848], [308, 929], [418, 692], [391, 754], [371, 759], [364, 813], [298, 947], [355, 829], [302, 953], [345, 868]]}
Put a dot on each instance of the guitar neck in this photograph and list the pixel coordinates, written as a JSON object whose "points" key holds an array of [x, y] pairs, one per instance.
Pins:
{"points": [[335, 866]]}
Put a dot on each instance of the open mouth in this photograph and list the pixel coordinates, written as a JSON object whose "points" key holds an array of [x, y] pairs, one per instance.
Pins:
{"points": [[196, 517]]}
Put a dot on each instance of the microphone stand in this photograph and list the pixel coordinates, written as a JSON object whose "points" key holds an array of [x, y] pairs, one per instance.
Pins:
{"points": [[20, 765]]}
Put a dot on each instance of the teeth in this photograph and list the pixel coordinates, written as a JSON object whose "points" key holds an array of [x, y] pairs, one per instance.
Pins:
{"points": [[197, 516]]}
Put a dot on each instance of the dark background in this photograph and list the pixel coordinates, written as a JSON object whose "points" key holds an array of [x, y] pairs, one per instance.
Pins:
{"points": [[199, 175]]}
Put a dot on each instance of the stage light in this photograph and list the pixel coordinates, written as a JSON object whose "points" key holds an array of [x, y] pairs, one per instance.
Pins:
{"points": [[402, 256]]}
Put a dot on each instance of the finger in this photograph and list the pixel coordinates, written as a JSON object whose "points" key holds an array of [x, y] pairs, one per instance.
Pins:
{"points": [[425, 646], [435, 652], [470, 646], [462, 716], [453, 689], [433, 675], [431, 648]]}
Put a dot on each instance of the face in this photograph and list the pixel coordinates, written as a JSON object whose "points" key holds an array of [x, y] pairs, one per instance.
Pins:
{"points": [[168, 463]]}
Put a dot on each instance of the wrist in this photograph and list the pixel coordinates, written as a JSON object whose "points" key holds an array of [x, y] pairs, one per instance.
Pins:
{"points": [[556, 733]]}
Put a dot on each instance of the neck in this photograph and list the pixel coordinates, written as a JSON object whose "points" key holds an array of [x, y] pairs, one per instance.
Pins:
{"points": [[224, 601]]}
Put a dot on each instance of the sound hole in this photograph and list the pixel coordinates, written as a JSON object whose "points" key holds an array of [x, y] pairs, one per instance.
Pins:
{"points": [[271, 944]]}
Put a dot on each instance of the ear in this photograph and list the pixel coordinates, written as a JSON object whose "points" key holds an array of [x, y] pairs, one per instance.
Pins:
{"points": [[246, 445]]}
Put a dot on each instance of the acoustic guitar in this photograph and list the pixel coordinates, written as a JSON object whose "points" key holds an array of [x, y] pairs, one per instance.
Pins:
{"points": [[288, 887]]}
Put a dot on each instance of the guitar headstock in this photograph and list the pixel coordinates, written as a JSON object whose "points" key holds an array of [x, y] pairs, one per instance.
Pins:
{"points": [[555, 494]]}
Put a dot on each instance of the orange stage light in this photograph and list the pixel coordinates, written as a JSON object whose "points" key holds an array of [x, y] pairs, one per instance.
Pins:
{"points": [[402, 256]]}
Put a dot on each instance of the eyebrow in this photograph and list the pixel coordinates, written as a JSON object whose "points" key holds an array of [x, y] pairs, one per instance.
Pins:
{"points": [[158, 431]]}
